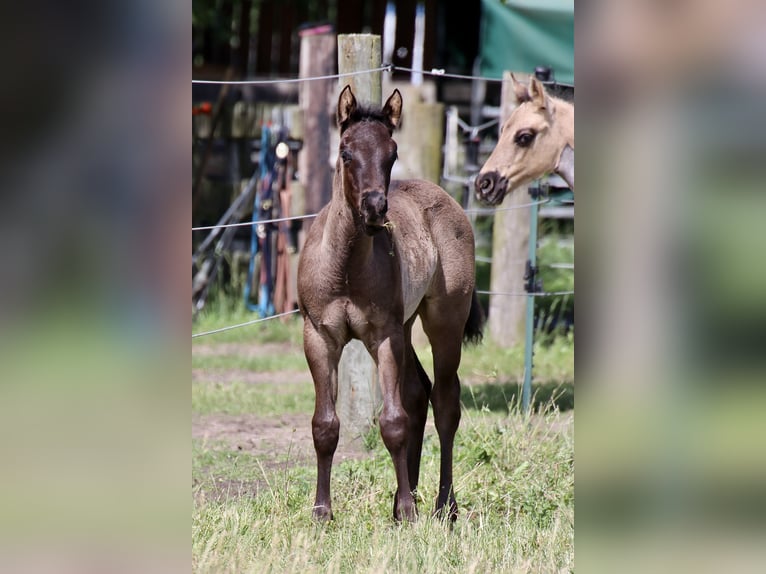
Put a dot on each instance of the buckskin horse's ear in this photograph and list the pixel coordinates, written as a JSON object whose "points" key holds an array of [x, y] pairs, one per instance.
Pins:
{"points": [[393, 109], [346, 106], [520, 92], [537, 93]]}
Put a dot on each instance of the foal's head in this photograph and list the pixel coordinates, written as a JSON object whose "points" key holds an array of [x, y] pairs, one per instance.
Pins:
{"points": [[528, 148], [367, 154]]}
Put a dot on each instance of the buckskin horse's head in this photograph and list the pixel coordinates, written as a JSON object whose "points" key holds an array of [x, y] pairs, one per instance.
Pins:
{"points": [[366, 155], [529, 146]]}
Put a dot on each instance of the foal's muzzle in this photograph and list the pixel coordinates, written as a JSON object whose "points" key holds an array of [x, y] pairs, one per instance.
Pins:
{"points": [[374, 209], [490, 187]]}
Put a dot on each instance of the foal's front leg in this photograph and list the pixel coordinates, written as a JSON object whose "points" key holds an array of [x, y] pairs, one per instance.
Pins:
{"points": [[394, 421], [323, 355]]}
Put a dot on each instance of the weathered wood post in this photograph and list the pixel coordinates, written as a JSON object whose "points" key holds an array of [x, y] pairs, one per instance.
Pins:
{"points": [[360, 52], [420, 137], [359, 395], [317, 59], [510, 241]]}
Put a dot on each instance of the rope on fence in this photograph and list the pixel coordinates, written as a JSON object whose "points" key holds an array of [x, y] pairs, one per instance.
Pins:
{"points": [[253, 322]]}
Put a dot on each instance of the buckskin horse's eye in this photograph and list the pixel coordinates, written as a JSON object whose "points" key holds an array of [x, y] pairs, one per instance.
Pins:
{"points": [[524, 138], [345, 156]]}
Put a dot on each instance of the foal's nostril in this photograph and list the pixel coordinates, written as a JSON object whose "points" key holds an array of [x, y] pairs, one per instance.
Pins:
{"points": [[485, 183], [375, 203], [374, 207]]}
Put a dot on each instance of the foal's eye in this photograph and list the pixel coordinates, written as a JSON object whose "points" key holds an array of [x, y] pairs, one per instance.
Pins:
{"points": [[345, 156], [524, 138]]}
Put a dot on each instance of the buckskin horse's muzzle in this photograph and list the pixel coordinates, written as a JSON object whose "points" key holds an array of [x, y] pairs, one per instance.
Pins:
{"points": [[490, 187], [374, 209]]}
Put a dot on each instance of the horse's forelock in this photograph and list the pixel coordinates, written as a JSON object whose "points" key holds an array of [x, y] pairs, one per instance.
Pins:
{"points": [[362, 114]]}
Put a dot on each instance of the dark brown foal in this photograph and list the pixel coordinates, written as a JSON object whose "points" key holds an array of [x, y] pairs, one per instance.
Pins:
{"points": [[379, 254]]}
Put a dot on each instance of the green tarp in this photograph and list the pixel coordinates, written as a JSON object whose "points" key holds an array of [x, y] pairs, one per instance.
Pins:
{"points": [[519, 35]]}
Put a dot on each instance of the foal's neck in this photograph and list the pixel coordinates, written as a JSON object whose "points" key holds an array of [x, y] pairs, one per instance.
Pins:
{"points": [[343, 235]]}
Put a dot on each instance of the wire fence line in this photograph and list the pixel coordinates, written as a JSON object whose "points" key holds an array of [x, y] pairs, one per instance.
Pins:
{"points": [[254, 222], [290, 80], [390, 68], [488, 260], [480, 259], [440, 73], [491, 210], [525, 294], [285, 314], [245, 324], [475, 211], [470, 129]]}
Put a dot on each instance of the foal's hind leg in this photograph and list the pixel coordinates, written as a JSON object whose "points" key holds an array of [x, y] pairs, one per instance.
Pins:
{"points": [[446, 342], [323, 357], [446, 402]]}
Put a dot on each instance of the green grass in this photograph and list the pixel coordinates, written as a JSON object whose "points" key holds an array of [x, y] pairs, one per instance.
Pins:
{"points": [[222, 313], [291, 359], [483, 363], [513, 476], [262, 399], [490, 363], [513, 481], [505, 397], [213, 462]]}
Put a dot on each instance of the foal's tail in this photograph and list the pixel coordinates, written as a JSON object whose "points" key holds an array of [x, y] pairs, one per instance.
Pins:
{"points": [[474, 326]]}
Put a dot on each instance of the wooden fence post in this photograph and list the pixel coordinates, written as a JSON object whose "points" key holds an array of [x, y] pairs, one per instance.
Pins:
{"points": [[359, 394], [360, 52], [510, 241], [316, 59]]}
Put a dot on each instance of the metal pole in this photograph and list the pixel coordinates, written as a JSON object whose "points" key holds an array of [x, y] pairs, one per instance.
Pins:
{"points": [[531, 287]]}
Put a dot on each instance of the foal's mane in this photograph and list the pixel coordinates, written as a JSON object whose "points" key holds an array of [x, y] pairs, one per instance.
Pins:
{"points": [[367, 114]]}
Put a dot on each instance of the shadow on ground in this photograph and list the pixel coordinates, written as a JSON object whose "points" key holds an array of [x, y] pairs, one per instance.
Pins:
{"points": [[505, 396]]}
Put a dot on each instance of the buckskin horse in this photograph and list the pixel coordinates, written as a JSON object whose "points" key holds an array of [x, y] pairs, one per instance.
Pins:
{"points": [[536, 139], [378, 255]]}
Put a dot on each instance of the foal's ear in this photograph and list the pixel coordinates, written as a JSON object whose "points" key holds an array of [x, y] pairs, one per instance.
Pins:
{"points": [[346, 105], [393, 109], [537, 93], [520, 92]]}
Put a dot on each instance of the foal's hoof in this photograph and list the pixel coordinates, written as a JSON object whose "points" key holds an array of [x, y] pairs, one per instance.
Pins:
{"points": [[322, 513], [443, 511], [406, 511]]}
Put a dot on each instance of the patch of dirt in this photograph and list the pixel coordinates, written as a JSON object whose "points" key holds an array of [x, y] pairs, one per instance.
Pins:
{"points": [[242, 349], [250, 377], [277, 441]]}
